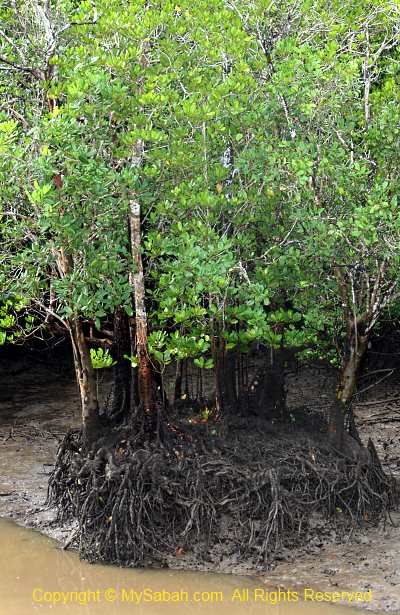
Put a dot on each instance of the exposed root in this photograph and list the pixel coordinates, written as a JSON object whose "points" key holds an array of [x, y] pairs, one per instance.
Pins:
{"points": [[137, 501]]}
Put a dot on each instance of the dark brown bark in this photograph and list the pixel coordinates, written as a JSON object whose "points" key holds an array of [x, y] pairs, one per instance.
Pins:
{"points": [[134, 388], [178, 380], [243, 392], [336, 423], [277, 392], [217, 356], [229, 379], [199, 385], [224, 374], [270, 395], [158, 381], [121, 393], [187, 391]]}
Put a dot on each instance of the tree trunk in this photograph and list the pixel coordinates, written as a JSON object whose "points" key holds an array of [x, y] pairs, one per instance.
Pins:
{"points": [[82, 362], [270, 397], [229, 379], [357, 346], [350, 369], [121, 393], [218, 372], [242, 391], [277, 393], [136, 279], [178, 380], [134, 384], [86, 383], [336, 423]]}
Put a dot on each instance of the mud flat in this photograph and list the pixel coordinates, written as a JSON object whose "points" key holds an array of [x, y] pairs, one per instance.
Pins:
{"points": [[33, 419]]}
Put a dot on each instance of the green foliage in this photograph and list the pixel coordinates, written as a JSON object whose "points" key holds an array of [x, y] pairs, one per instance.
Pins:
{"points": [[15, 322], [134, 361], [7, 322], [101, 358], [243, 248], [204, 363]]}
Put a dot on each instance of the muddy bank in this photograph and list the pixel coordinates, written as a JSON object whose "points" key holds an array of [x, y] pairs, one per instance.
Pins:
{"points": [[35, 412]]}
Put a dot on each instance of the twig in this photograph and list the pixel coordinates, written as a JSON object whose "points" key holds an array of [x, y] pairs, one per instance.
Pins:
{"points": [[70, 540], [374, 384], [377, 401]]}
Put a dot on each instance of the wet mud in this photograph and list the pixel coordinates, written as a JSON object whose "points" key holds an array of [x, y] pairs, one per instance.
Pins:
{"points": [[38, 405]]}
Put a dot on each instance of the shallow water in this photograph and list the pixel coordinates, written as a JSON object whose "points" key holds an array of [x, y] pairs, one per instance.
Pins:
{"points": [[37, 575]]}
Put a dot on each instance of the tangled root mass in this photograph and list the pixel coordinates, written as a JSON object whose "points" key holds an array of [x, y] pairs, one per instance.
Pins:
{"points": [[136, 501]]}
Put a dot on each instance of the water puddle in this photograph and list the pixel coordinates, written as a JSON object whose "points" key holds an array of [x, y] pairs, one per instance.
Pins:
{"points": [[37, 575]]}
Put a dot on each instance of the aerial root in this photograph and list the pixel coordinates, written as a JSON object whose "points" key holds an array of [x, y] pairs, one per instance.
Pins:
{"points": [[135, 502]]}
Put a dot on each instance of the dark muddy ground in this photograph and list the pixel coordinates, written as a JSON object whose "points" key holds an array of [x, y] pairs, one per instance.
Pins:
{"points": [[38, 403]]}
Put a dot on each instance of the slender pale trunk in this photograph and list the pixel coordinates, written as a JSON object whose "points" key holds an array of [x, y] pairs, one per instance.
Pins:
{"points": [[134, 389], [86, 383], [348, 379], [136, 279], [357, 346], [84, 371]]}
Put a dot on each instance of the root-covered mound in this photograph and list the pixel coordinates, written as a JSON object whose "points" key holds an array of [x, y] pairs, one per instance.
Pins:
{"points": [[138, 502]]}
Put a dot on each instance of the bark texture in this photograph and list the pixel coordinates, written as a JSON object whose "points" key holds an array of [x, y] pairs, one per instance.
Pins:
{"points": [[84, 371], [136, 278], [121, 388], [86, 383], [357, 346]]}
